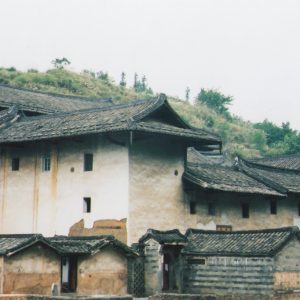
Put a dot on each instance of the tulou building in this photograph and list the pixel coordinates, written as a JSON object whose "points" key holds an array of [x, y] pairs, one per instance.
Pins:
{"points": [[82, 179]]}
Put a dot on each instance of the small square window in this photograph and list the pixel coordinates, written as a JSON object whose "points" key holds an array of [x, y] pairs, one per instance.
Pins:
{"points": [[86, 204], [46, 163], [245, 210], [211, 209], [273, 207], [15, 164], [192, 208], [88, 162]]}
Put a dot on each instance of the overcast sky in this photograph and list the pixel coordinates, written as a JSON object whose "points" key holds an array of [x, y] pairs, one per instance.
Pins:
{"points": [[249, 49]]}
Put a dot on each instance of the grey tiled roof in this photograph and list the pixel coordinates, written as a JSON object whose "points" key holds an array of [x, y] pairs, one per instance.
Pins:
{"points": [[87, 244], [131, 116], [12, 243], [46, 102], [219, 173], [290, 162], [164, 237], [283, 180], [239, 243], [226, 179]]}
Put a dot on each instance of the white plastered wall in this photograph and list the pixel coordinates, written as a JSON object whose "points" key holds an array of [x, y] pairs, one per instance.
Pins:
{"points": [[51, 202]]}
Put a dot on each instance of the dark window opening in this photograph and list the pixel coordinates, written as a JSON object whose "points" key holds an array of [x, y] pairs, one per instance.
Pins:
{"points": [[211, 209], [273, 207], [245, 210], [46, 163], [15, 164], [166, 271], [299, 209], [88, 162], [192, 208], [86, 204]]}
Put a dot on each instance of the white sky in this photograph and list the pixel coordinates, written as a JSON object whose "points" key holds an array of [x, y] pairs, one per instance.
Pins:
{"points": [[249, 49]]}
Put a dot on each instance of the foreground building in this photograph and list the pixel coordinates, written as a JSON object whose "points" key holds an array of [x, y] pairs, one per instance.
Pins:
{"points": [[32, 264], [241, 263]]}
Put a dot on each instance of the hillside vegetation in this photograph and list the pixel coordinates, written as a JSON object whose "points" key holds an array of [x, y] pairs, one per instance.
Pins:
{"points": [[239, 137]]}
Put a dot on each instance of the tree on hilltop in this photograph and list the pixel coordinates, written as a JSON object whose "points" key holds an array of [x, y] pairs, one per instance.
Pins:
{"points": [[123, 80], [215, 100], [60, 63], [187, 94]]}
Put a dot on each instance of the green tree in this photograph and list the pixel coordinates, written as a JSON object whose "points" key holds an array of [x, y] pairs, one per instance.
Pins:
{"points": [[144, 83], [258, 138], [141, 85], [60, 63], [215, 100], [123, 80], [136, 80], [187, 94], [292, 143], [274, 133], [102, 75]]}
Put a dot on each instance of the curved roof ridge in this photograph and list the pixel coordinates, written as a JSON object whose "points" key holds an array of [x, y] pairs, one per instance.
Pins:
{"points": [[164, 231], [164, 236], [74, 238], [277, 156], [268, 167], [87, 110]]}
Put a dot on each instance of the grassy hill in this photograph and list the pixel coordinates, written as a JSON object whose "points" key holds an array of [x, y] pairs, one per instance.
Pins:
{"points": [[239, 137]]}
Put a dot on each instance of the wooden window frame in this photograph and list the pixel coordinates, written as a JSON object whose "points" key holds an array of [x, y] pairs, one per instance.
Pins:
{"points": [[46, 163]]}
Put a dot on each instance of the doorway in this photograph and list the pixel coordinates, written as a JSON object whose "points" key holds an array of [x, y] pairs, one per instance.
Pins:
{"points": [[68, 274], [166, 272]]}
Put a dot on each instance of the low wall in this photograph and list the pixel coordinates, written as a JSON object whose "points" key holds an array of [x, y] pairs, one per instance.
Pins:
{"points": [[70, 297], [287, 296]]}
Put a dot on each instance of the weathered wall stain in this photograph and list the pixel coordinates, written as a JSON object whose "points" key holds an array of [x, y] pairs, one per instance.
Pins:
{"points": [[103, 273], [117, 228], [31, 271]]}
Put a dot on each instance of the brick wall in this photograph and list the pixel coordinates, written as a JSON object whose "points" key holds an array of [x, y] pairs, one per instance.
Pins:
{"points": [[228, 275]]}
